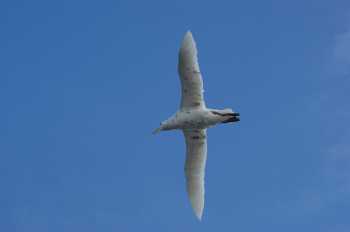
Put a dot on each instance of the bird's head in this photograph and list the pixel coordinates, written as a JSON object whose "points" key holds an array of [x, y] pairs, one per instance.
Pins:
{"points": [[163, 126], [159, 129]]}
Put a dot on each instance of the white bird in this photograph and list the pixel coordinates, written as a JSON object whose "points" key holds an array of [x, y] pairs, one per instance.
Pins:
{"points": [[193, 118]]}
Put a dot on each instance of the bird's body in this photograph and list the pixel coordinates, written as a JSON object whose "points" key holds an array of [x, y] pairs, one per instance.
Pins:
{"points": [[198, 118], [193, 118]]}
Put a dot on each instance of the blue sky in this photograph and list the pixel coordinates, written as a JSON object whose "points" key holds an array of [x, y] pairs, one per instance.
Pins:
{"points": [[84, 83]]}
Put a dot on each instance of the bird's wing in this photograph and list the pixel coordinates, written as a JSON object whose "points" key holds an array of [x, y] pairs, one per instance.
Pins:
{"points": [[190, 76], [196, 156]]}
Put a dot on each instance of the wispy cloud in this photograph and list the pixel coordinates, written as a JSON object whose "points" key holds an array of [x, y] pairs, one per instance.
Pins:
{"points": [[337, 167], [341, 54], [331, 185], [336, 117]]}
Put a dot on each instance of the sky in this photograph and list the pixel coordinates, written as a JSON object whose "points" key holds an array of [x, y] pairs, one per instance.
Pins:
{"points": [[84, 83]]}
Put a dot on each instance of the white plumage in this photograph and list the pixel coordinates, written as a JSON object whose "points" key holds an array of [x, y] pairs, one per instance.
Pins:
{"points": [[193, 118]]}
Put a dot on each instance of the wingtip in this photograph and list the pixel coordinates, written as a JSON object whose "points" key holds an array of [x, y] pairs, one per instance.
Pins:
{"points": [[199, 215], [188, 35], [188, 42], [197, 209]]}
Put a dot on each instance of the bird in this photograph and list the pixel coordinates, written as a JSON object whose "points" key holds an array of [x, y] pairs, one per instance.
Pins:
{"points": [[193, 118]]}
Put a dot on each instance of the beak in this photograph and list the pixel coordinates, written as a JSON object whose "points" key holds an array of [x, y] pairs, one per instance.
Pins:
{"points": [[156, 131]]}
